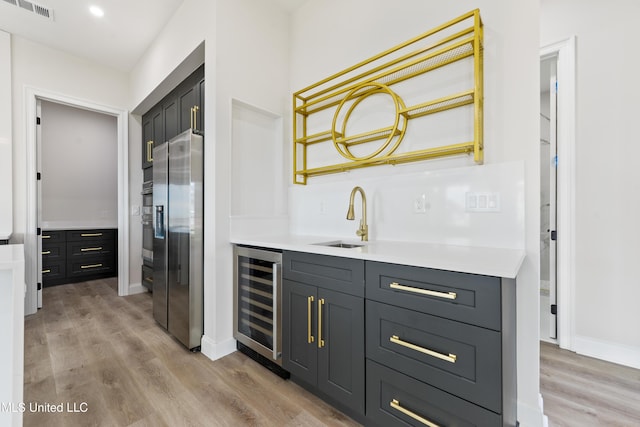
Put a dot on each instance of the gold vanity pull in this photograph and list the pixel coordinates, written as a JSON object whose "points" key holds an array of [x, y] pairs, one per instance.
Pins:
{"points": [[448, 357], [310, 338], [396, 405], [46, 271], [320, 340], [46, 252], [194, 117], [447, 295], [99, 248], [90, 234], [150, 151], [91, 266], [46, 236]]}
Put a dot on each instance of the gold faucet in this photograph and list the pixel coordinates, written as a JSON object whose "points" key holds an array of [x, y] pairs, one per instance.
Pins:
{"points": [[363, 231]]}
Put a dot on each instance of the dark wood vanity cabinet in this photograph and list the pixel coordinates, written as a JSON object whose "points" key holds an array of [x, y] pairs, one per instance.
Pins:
{"points": [[70, 256], [323, 327], [441, 347], [438, 347]]}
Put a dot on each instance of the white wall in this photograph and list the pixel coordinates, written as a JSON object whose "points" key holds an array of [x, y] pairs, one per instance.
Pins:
{"points": [[607, 231], [48, 69], [79, 158], [6, 203], [362, 28]]}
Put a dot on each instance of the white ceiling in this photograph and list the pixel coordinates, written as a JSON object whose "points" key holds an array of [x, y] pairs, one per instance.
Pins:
{"points": [[118, 39]]}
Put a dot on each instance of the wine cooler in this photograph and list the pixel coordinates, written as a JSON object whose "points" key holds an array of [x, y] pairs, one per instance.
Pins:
{"points": [[257, 295]]}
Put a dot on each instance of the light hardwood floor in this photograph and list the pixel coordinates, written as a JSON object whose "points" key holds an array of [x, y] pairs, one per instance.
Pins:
{"points": [[87, 345], [583, 392]]}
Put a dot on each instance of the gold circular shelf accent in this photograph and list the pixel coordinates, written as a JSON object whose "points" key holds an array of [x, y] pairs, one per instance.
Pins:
{"points": [[340, 139]]}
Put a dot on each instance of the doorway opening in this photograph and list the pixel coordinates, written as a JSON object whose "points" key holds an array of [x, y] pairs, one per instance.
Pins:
{"points": [[557, 192], [32, 239]]}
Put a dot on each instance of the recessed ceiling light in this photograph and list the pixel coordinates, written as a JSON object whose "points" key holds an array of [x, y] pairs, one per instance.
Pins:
{"points": [[96, 11]]}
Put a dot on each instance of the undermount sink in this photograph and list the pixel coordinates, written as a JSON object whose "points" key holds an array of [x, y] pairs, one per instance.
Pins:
{"points": [[340, 244]]}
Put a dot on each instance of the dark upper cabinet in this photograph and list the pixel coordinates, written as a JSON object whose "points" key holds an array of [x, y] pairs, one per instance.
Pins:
{"points": [[180, 110]]}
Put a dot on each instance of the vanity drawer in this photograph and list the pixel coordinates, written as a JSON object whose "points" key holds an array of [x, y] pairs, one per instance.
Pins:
{"points": [[108, 234], [394, 399], [91, 266], [53, 236], [468, 298], [86, 249], [53, 272], [458, 358], [344, 275], [52, 252]]}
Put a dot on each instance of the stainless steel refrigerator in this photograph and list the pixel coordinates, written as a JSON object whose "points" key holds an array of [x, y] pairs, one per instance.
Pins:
{"points": [[178, 239]]}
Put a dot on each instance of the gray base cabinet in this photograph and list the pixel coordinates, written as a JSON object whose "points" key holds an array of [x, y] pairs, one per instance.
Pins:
{"points": [[439, 347], [323, 329]]}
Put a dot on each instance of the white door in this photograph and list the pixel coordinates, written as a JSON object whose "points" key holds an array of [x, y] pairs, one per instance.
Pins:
{"points": [[553, 173]]}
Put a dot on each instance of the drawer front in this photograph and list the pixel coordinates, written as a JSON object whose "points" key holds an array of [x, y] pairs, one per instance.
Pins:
{"points": [[91, 266], [464, 297], [335, 273], [53, 252], [147, 277], [92, 248], [53, 236], [458, 358], [53, 272], [108, 234], [394, 399]]}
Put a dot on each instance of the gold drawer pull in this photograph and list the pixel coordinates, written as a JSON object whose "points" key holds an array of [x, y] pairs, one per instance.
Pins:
{"points": [[150, 151], [46, 237], [448, 357], [310, 338], [396, 405], [447, 295], [91, 266], [90, 234], [46, 271], [99, 248], [46, 252], [320, 340]]}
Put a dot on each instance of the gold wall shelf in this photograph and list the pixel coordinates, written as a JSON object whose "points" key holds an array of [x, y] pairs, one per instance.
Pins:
{"points": [[329, 103]]}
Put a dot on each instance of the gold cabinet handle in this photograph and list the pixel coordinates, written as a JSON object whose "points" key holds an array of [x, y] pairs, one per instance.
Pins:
{"points": [[310, 338], [91, 266], [194, 117], [320, 340], [396, 405], [150, 150], [99, 248], [446, 295], [46, 271], [448, 357], [90, 234], [46, 237], [46, 252]]}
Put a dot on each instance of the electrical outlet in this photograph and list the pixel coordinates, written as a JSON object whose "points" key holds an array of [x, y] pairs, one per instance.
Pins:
{"points": [[420, 204]]}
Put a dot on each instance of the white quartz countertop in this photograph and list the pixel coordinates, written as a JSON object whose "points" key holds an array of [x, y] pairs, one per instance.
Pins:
{"points": [[496, 262], [10, 256]]}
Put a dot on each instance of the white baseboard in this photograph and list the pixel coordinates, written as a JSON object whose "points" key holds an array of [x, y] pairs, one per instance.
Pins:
{"points": [[214, 350], [136, 288], [608, 351], [532, 416]]}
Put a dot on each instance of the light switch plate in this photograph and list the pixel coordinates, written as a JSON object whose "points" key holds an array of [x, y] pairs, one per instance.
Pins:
{"points": [[482, 201]]}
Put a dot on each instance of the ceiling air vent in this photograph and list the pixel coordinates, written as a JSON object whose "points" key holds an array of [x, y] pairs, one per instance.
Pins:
{"points": [[36, 8]]}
